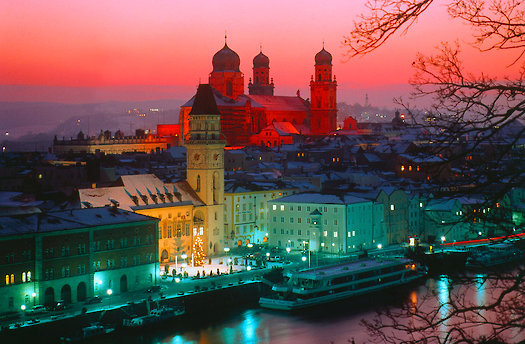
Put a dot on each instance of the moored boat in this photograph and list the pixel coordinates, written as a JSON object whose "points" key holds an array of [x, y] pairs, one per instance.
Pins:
{"points": [[156, 315], [489, 256], [92, 331], [308, 288]]}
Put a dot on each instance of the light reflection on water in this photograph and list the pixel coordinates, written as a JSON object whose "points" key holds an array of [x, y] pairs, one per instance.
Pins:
{"points": [[332, 324]]}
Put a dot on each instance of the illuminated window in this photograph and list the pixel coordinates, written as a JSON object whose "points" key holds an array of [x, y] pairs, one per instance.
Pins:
{"points": [[282, 207], [353, 233], [410, 167], [325, 233], [392, 207], [23, 276], [7, 279], [421, 204], [12, 278], [335, 234], [402, 168], [417, 168], [274, 207]]}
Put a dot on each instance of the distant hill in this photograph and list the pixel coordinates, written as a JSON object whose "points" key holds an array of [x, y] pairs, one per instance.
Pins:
{"points": [[363, 113], [25, 118]]}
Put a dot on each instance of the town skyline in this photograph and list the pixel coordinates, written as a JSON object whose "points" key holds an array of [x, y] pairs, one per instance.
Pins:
{"points": [[83, 53]]}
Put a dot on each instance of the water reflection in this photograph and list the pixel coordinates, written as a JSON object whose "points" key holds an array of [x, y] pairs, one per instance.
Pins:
{"points": [[337, 323]]}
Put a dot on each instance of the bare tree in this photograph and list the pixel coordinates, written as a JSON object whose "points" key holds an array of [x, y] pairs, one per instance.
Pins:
{"points": [[475, 123]]}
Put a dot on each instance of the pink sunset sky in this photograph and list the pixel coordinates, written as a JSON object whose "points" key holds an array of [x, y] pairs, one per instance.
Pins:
{"points": [[90, 51]]}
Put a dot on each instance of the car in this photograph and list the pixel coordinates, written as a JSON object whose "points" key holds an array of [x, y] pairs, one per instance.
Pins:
{"points": [[154, 289], [38, 309], [61, 305], [274, 258], [92, 300]]}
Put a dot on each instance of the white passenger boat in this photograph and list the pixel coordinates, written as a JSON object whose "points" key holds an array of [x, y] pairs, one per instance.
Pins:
{"points": [[326, 284]]}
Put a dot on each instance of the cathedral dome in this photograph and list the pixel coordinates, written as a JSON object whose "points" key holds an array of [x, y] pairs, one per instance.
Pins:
{"points": [[226, 60], [261, 61], [323, 58]]}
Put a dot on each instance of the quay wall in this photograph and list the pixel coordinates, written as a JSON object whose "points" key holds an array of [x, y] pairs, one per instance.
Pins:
{"points": [[196, 304]]}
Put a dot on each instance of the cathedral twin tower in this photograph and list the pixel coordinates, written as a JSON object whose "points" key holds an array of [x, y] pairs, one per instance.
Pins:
{"points": [[227, 78]]}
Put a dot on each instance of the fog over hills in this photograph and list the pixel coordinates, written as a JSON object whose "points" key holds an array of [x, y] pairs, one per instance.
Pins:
{"points": [[24, 118]]}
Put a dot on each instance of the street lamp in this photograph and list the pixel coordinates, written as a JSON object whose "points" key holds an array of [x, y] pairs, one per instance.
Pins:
{"points": [[288, 249]]}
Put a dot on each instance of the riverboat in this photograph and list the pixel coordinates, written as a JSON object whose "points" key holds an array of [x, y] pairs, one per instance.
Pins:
{"points": [[489, 256], [156, 315], [312, 287], [93, 331]]}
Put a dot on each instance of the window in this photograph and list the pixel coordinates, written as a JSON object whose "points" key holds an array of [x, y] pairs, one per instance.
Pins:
{"points": [[274, 207], [291, 219], [298, 220], [335, 234], [299, 232], [392, 207], [282, 207], [282, 219], [349, 234], [353, 233], [299, 208], [421, 204], [325, 233], [335, 222], [307, 208]]}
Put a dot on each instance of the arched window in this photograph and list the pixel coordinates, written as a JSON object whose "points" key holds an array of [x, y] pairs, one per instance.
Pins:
{"points": [[198, 188], [319, 77], [229, 88]]}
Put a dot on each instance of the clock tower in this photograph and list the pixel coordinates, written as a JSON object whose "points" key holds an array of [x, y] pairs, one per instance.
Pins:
{"points": [[205, 168]]}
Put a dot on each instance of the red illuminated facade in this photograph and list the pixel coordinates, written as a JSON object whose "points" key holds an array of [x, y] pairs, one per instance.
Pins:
{"points": [[323, 91], [244, 116]]}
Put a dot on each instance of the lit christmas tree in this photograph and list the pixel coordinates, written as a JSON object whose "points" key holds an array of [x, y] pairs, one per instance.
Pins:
{"points": [[198, 252]]}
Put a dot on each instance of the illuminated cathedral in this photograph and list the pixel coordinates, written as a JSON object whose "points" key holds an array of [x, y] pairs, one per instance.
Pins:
{"points": [[248, 118]]}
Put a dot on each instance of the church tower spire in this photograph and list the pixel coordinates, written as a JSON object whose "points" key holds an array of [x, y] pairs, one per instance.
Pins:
{"points": [[205, 167], [261, 83], [323, 95], [226, 76]]}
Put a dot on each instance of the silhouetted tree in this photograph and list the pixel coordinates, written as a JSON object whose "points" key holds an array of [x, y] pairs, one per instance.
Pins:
{"points": [[474, 123]]}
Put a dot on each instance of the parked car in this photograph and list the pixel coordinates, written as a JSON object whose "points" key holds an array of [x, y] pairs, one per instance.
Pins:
{"points": [[38, 309], [61, 305], [92, 300]]}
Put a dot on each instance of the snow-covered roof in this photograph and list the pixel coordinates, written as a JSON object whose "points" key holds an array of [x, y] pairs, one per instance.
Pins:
{"points": [[316, 198], [68, 219], [140, 191], [281, 103]]}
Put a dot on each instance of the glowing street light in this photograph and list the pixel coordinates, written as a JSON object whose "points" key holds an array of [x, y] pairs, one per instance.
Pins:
{"points": [[288, 249], [110, 291], [379, 246]]}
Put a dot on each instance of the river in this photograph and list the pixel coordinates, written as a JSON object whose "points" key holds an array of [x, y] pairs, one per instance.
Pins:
{"points": [[336, 323]]}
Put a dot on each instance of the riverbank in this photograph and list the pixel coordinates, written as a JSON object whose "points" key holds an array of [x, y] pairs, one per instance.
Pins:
{"points": [[195, 303]]}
